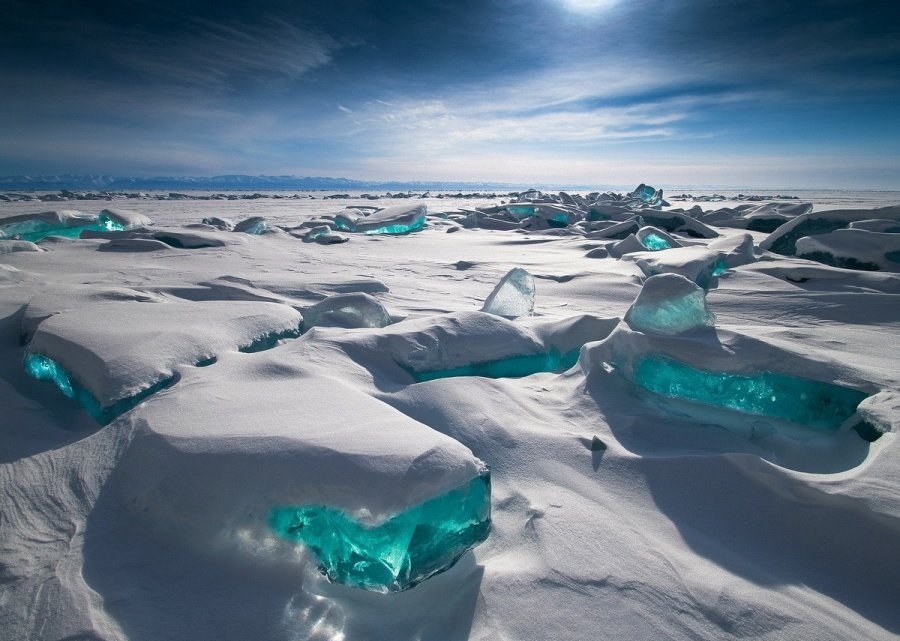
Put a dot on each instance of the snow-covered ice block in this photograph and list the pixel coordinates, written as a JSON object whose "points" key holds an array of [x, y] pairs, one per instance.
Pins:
{"points": [[618, 231], [255, 225], [784, 239], [346, 310], [116, 352], [734, 250], [224, 224], [400, 552], [655, 240], [399, 219], [765, 217], [179, 238], [678, 222], [669, 304], [10, 246], [234, 460], [697, 264], [50, 301], [127, 218], [647, 194], [804, 401], [881, 225], [853, 249], [66, 222], [513, 296], [628, 245], [747, 386], [474, 344]]}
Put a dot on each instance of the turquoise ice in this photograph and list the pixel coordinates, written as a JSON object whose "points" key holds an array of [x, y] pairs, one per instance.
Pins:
{"points": [[510, 367], [804, 401], [399, 552], [37, 229]]}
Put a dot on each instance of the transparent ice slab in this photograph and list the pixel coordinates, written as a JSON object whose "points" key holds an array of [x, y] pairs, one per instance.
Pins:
{"points": [[400, 552], [513, 296], [654, 242], [823, 406], [669, 304]]}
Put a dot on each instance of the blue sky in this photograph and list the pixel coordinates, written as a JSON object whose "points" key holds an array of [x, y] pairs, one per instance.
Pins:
{"points": [[568, 92]]}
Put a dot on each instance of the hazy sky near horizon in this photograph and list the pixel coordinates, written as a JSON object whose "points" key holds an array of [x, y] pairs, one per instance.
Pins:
{"points": [[577, 92]]}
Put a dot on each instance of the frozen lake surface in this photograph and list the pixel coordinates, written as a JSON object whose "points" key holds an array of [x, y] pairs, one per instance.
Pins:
{"points": [[654, 427]]}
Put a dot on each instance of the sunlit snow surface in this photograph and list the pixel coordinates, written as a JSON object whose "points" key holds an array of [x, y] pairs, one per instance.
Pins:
{"points": [[217, 425]]}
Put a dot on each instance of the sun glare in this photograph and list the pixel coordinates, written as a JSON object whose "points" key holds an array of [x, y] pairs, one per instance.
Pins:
{"points": [[586, 6]]}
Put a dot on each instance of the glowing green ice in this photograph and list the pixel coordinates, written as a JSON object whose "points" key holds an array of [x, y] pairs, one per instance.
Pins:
{"points": [[400, 552], [520, 212], [799, 400], [44, 368], [655, 242], [398, 228], [36, 230], [510, 367]]}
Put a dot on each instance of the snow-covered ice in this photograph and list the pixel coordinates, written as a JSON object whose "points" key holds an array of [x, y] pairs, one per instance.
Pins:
{"points": [[325, 430]]}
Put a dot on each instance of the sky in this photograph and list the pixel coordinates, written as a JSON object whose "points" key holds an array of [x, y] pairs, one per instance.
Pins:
{"points": [[570, 92]]}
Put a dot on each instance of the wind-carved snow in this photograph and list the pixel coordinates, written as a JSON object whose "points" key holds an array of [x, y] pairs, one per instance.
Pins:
{"points": [[399, 552]]}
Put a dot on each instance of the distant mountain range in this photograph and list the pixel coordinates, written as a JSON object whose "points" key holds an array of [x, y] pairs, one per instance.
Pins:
{"points": [[229, 182]]}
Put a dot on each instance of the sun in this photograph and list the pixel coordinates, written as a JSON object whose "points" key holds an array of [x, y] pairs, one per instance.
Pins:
{"points": [[586, 6]]}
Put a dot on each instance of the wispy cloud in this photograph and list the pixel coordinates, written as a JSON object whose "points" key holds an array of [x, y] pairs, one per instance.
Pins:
{"points": [[222, 56]]}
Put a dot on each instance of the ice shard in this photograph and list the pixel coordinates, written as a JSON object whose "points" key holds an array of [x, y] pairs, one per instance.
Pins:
{"points": [[669, 304], [799, 400], [255, 225], [347, 310], [513, 296], [655, 240], [647, 194], [399, 552]]}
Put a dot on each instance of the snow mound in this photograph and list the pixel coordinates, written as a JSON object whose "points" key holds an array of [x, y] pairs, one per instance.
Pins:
{"points": [[118, 351], [254, 466], [784, 239], [68, 223], [853, 248], [744, 385]]}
